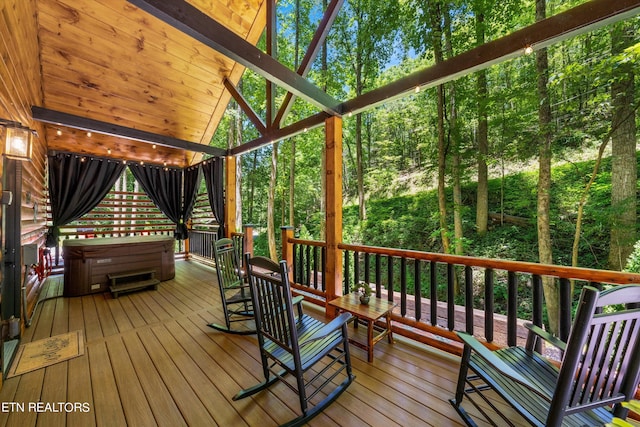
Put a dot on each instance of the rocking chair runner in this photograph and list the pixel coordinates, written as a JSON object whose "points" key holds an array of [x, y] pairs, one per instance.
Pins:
{"points": [[293, 345], [234, 290], [599, 369]]}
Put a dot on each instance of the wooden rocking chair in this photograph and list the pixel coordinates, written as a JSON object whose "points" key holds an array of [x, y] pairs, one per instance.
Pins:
{"points": [[234, 290], [599, 369], [293, 345]]}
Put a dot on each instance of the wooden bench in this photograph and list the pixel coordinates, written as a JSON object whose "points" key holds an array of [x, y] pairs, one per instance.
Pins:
{"points": [[132, 281]]}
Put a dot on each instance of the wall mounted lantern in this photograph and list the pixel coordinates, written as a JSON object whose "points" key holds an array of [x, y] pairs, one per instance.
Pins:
{"points": [[18, 140]]}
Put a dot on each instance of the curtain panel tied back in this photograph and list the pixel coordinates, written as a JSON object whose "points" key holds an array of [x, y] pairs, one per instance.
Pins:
{"points": [[76, 185], [213, 172]]}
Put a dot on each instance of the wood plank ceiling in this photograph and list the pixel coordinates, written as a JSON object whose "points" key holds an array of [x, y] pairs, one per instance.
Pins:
{"points": [[108, 61]]}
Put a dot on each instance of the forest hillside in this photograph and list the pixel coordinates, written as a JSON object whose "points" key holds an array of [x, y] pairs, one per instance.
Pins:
{"points": [[410, 220]]}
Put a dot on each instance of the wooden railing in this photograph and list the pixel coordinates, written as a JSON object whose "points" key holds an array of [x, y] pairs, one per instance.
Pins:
{"points": [[201, 243], [436, 294]]}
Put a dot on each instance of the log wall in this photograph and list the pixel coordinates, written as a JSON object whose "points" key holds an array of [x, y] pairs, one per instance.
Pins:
{"points": [[20, 88]]}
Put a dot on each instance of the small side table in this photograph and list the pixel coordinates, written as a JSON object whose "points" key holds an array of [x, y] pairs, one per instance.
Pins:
{"points": [[369, 313]]}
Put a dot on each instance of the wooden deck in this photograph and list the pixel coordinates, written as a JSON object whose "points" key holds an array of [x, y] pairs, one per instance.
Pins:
{"points": [[151, 360]]}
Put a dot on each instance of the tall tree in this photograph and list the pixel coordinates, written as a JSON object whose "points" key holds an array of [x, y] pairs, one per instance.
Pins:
{"points": [[454, 142], [366, 36], [624, 173], [545, 253], [482, 133], [435, 14]]}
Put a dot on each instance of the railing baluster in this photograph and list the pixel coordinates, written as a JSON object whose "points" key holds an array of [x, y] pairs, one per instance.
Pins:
{"points": [[488, 304], [433, 278], [378, 274], [403, 286], [565, 308], [307, 269], [512, 308], [468, 294], [324, 267], [417, 289], [316, 267], [366, 267], [451, 309], [356, 267], [347, 285], [390, 278]]}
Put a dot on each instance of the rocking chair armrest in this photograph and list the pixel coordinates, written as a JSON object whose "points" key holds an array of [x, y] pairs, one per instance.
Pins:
{"points": [[497, 363], [297, 301], [327, 329], [533, 329]]}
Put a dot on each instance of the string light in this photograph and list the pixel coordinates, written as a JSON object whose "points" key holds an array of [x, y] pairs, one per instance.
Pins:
{"points": [[58, 132], [528, 50]]}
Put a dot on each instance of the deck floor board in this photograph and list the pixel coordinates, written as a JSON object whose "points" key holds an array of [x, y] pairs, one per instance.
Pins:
{"points": [[151, 359]]}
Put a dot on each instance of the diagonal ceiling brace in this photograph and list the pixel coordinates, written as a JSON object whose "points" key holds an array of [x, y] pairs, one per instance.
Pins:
{"points": [[190, 20], [312, 52], [246, 108], [64, 119]]}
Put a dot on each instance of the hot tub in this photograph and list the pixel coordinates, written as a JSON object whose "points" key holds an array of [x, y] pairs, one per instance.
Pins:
{"points": [[88, 262]]}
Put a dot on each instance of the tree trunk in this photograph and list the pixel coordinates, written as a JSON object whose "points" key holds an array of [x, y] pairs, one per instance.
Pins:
{"points": [[436, 15], [545, 254], [482, 203], [362, 210], [252, 186], [271, 230], [624, 173]]}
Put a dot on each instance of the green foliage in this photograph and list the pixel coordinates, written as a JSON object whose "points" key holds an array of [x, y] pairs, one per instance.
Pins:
{"points": [[633, 262]]}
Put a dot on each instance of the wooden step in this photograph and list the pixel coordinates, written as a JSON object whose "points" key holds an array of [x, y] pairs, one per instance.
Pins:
{"points": [[133, 286], [128, 281]]}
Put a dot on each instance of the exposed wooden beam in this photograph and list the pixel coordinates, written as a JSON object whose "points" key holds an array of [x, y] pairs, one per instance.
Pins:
{"points": [[188, 19], [279, 134], [312, 52], [64, 119], [580, 19], [245, 107]]}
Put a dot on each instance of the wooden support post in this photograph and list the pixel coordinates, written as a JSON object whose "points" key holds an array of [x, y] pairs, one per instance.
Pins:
{"points": [[230, 196], [287, 248], [247, 230], [333, 188]]}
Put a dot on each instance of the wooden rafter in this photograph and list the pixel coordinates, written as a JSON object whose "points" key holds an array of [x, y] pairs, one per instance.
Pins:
{"points": [[273, 135], [578, 20], [188, 19], [245, 107], [312, 52], [64, 119]]}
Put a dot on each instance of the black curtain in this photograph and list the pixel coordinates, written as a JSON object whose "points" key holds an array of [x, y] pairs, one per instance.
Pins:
{"points": [[164, 187], [76, 185], [212, 170], [192, 178]]}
